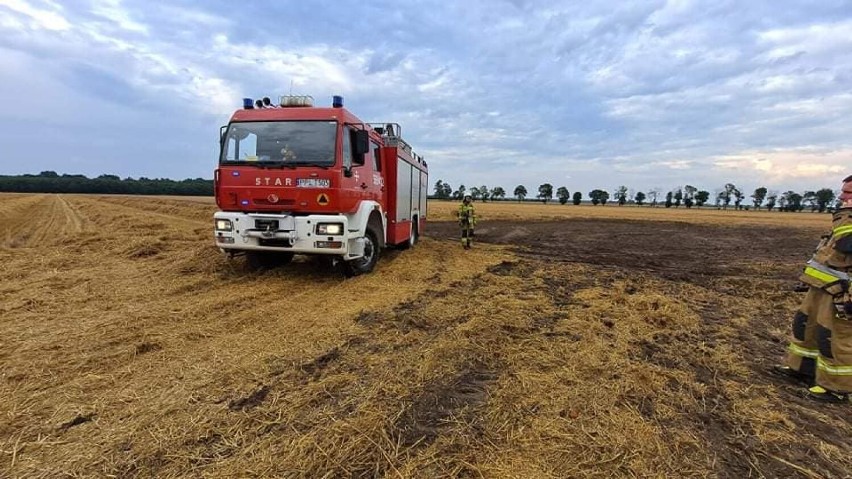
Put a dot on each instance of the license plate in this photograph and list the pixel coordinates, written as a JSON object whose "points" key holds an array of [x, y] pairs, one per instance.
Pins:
{"points": [[313, 183]]}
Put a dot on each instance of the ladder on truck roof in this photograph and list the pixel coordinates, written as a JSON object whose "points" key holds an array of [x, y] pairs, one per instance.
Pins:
{"points": [[392, 135]]}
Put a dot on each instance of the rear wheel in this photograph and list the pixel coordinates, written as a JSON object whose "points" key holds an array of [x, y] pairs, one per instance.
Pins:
{"points": [[260, 260], [366, 263], [413, 236], [415, 233]]}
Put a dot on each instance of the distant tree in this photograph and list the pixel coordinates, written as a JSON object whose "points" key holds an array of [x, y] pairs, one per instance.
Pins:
{"points": [[51, 182], [809, 200], [475, 193], [738, 197], [563, 195], [824, 198], [792, 201], [577, 198], [545, 192], [770, 201], [621, 195], [725, 195], [689, 195], [669, 196], [498, 192], [653, 195], [604, 197], [758, 197], [448, 191], [520, 192], [678, 197], [595, 196], [439, 188], [459, 193], [701, 197], [639, 198], [484, 192]]}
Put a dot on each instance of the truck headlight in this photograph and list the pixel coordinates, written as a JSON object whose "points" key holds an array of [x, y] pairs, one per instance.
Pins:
{"points": [[224, 225], [333, 229]]}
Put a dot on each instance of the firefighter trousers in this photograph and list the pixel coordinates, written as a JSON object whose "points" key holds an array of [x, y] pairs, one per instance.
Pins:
{"points": [[821, 345], [466, 235]]}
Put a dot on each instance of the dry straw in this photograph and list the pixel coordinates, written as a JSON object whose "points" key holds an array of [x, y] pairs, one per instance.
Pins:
{"points": [[132, 348]]}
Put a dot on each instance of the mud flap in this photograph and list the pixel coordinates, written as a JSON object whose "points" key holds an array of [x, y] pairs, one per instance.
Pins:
{"points": [[356, 248]]}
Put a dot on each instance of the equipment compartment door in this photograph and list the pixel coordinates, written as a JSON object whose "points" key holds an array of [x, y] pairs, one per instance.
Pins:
{"points": [[403, 191]]}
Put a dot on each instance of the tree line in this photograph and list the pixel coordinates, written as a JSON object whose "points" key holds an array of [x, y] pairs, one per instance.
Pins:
{"points": [[728, 196], [52, 182]]}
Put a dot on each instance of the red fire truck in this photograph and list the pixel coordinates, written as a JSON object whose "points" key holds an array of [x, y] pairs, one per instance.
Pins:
{"points": [[298, 179]]}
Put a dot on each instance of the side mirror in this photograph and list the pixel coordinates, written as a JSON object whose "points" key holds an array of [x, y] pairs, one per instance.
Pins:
{"points": [[222, 130], [362, 142]]}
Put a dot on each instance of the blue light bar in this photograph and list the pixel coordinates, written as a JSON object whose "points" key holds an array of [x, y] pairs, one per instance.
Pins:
{"points": [[337, 101], [248, 104]]}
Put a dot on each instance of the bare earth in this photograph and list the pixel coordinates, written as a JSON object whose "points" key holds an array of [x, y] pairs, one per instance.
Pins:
{"points": [[571, 342]]}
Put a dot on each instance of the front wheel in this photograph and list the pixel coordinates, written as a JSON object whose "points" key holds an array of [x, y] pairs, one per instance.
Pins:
{"points": [[366, 263]]}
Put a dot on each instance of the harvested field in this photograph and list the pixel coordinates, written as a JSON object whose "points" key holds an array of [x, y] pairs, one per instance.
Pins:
{"points": [[636, 344]]}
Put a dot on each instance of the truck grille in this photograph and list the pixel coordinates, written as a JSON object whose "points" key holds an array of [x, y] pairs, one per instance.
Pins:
{"points": [[266, 225]]}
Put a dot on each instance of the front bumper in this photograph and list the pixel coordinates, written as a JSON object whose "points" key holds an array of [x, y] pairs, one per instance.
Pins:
{"points": [[281, 232]]}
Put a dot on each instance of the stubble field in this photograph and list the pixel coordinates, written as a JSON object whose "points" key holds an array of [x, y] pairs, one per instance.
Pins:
{"points": [[570, 342]]}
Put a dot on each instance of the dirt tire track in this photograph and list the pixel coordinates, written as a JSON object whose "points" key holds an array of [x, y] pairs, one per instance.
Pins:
{"points": [[149, 209], [40, 220], [71, 215]]}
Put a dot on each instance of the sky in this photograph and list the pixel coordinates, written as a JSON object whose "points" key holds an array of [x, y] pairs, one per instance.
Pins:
{"points": [[647, 94]]}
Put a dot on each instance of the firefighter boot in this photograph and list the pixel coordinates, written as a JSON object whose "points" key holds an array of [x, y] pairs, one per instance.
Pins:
{"points": [[819, 393], [790, 374]]}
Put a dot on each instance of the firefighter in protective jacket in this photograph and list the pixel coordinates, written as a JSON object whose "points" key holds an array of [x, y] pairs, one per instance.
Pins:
{"points": [[467, 221], [820, 350]]}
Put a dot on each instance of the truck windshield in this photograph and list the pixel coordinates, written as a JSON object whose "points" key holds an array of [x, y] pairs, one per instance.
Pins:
{"points": [[280, 142]]}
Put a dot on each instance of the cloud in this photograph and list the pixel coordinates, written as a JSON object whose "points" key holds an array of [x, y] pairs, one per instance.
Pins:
{"points": [[777, 167], [645, 94], [35, 17]]}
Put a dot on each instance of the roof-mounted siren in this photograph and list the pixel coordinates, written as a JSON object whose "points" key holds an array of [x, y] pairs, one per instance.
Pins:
{"points": [[287, 101], [337, 101]]}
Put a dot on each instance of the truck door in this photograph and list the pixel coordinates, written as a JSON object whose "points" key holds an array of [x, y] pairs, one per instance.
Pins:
{"points": [[360, 184], [377, 183]]}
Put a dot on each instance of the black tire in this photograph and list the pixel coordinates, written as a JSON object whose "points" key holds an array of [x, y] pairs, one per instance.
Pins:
{"points": [[366, 263], [412, 238], [261, 260], [415, 233]]}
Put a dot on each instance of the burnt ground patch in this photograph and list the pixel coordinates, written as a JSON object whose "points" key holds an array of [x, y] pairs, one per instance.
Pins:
{"points": [[76, 421], [252, 400], [437, 405], [676, 251], [747, 276]]}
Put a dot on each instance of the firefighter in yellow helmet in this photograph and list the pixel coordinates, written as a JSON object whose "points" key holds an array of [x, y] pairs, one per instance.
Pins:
{"points": [[820, 350], [467, 221]]}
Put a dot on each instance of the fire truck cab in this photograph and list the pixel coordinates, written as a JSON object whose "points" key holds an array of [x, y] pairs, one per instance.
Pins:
{"points": [[298, 179]]}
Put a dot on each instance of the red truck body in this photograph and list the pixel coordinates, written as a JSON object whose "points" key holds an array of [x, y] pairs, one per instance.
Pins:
{"points": [[283, 170]]}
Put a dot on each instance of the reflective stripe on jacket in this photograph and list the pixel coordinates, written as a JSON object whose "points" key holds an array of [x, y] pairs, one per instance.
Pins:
{"points": [[830, 265], [467, 214]]}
